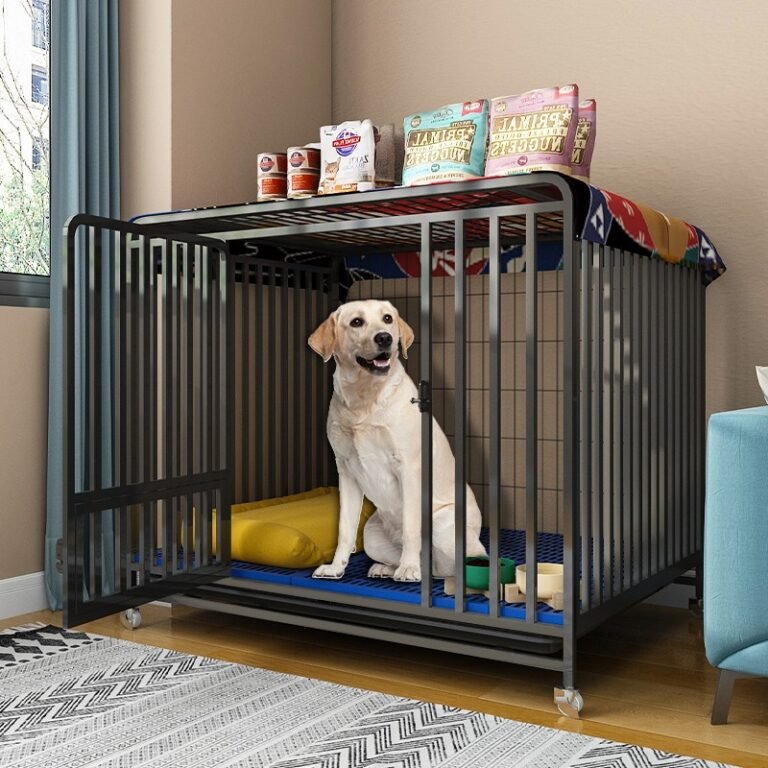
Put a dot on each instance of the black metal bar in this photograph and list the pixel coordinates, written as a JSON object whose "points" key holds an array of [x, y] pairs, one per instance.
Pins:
{"points": [[573, 569], [212, 389], [261, 402], [608, 533], [494, 412], [227, 407], [688, 433], [271, 385], [645, 419], [72, 581], [283, 390], [701, 415], [425, 342], [617, 518], [154, 319], [626, 511], [460, 415], [588, 574], [169, 406], [666, 471], [597, 424], [166, 257], [193, 356], [244, 358], [208, 389], [297, 394], [96, 321], [635, 289], [307, 369], [190, 267], [119, 429], [531, 418], [655, 404]]}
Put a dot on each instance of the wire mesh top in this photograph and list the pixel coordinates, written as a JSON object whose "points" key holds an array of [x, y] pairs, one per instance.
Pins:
{"points": [[383, 219]]}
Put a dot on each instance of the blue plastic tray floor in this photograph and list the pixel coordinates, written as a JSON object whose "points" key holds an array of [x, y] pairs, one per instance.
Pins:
{"points": [[356, 582]]}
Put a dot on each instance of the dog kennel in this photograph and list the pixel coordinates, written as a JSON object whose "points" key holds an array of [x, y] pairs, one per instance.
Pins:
{"points": [[559, 343]]}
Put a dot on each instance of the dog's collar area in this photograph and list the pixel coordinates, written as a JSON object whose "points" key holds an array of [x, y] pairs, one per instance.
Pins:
{"points": [[379, 364]]}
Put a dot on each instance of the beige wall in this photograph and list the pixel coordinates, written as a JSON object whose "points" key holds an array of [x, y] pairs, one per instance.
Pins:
{"points": [[23, 438], [145, 105], [208, 85], [680, 106], [248, 77]]}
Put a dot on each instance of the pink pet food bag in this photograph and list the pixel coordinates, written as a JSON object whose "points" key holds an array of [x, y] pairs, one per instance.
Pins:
{"points": [[584, 143], [533, 131]]}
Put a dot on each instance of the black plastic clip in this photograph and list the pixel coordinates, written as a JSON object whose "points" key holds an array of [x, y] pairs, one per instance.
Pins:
{"points": [[424, 399]]}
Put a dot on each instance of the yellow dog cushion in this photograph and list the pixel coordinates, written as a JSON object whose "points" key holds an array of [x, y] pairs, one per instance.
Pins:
{"points": [[297, 531]]}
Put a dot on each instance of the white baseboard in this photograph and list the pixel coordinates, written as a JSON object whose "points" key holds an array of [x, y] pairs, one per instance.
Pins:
{"points": [[22, 594]]}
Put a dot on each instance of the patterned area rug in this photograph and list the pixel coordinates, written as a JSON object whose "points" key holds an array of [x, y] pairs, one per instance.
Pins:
{"points": [[71, 700]]}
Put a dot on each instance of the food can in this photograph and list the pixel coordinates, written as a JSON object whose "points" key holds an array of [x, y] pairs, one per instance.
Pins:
{"points": [[303, 158], [272, 162], [272, 186], [302, 183]]}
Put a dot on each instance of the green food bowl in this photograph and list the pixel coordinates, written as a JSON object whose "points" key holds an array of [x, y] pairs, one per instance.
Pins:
{"points": [[476, 572]]}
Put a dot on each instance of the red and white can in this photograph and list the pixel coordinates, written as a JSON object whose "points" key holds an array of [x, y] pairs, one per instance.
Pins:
{"points": [[272, 162], [272, 187], [303, 158], [272, 183], [302, 183]]}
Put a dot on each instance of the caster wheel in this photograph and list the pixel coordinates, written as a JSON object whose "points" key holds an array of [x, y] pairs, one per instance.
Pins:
{"points": [[131, 618], [569, 702]]}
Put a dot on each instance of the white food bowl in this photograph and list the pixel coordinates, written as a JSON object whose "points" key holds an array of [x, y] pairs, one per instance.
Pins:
{"points": [[549, 580]]}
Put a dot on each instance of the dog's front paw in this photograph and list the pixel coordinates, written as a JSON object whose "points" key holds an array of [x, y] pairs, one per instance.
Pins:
{"points": [[381, 571], [329, 571], [407, 573]]}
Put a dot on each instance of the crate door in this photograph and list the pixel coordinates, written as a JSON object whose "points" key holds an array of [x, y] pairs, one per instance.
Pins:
{"points": [[147, 411]]}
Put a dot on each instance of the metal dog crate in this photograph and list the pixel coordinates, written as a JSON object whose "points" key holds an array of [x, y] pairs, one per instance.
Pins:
{"points": [[573, 400]]}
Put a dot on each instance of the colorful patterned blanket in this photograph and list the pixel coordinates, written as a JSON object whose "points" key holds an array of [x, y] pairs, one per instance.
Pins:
{"points": [[600, 217]]}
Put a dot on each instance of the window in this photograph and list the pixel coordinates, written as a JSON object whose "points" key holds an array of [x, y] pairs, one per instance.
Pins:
{"points": [[39, 85], [24, 148], [40, 24], [39, 155]]}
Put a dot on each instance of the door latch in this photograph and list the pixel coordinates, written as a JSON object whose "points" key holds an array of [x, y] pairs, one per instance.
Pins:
{"points": [[424, 400]]}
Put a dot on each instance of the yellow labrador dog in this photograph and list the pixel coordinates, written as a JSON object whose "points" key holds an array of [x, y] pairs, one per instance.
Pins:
{"points": [[375, 432]]}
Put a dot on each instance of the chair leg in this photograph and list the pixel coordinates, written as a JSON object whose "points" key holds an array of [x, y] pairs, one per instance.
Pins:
{"points": [[723, 693]]}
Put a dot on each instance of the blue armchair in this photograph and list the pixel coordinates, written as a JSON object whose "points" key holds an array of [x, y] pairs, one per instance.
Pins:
{"points": [[736, 550]]}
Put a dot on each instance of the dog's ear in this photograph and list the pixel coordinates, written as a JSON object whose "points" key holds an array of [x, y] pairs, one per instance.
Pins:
{"points": [[406, 336], [323, 340]]}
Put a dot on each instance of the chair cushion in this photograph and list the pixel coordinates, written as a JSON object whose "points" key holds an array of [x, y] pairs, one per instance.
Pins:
{"points": [[297, 531], [736, 541]]}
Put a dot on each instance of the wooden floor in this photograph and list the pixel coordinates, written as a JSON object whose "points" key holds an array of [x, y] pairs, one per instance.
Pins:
{"points": [[643, 675]]}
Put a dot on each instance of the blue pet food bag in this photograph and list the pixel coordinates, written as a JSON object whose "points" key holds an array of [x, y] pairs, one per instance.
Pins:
{"points": [[447, 144]]}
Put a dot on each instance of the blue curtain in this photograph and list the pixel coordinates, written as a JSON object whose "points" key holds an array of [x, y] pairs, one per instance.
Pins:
{"points": [[85, 178]]}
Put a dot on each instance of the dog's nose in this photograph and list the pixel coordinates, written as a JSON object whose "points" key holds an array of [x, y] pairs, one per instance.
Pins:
{"points": [[383, 339]]}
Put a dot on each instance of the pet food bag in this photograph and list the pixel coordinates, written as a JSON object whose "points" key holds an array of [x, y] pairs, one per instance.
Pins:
{"points": [[533, 131], [584, 143], [389, 155], [347, 157], [447, 144]]}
